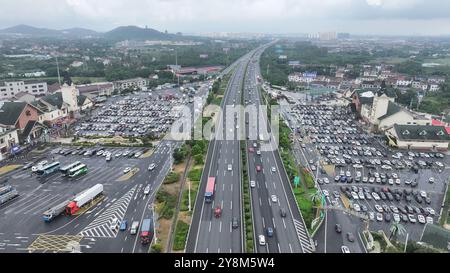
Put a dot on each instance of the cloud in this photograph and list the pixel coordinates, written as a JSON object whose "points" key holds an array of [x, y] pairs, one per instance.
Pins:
{"points": [[221, 15]]}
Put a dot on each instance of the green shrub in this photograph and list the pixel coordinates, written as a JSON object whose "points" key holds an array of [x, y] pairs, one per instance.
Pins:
{"points": [[156, 248], [172, 177], [181, 232], [199, 159], [195, 174]]}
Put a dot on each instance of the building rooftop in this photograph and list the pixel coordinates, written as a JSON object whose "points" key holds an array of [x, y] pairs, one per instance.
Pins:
{"points": [[10, 112], [392, 109], [54, 99], [421, 132], [436, 236]]}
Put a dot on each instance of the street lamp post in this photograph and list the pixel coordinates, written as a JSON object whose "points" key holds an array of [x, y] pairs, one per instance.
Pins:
{"points": [[154, 223], [406, 242], [189, 195]]}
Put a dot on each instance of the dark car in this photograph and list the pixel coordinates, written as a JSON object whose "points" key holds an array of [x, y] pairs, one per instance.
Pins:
{"points": [[235, 222], [387, 217], [350, 237], [404, 217], [389, 196], [338, 228], [282, 212], [419, 199], [269, 232]]}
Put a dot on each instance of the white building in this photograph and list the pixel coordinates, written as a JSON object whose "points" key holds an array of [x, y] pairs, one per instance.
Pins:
{"points": [[9, 89], [76, 64], [8, 138], [434, 87], [139, 83], [403, 83], [384, 113], [35, 74]]}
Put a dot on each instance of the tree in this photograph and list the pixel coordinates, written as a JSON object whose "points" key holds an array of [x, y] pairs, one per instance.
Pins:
{"points": [[316, 196], [179, 154], [197, 150], [198, 159], [396, 228]]}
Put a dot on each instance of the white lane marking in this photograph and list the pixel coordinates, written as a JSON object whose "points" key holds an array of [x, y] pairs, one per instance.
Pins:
{"points": [[284, 224], [264, 223], [220, 226], [231, 205], [209, 229]]}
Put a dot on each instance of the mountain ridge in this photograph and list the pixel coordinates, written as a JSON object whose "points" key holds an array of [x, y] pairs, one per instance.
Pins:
{"points": [[129, 32]]}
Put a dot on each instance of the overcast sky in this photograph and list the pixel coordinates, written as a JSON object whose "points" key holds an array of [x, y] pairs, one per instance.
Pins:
{"points": [[391, 17]]}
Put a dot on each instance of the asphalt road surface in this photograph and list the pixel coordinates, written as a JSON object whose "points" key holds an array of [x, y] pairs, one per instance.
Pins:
{"points": [[289, 234], [209, 234]]}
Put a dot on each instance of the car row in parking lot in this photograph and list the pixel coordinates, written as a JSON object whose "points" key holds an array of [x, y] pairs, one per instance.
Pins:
{"points": [[108, 153], [134, 116]]}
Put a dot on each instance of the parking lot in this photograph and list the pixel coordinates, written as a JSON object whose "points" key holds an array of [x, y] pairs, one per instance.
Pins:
{"points": [[356, 171], [124, 178], [143, 114]]}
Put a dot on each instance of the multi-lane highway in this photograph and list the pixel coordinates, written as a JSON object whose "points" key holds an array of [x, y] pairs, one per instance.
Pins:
{"points": [[280, 215], [216, 234], [209, 234]]}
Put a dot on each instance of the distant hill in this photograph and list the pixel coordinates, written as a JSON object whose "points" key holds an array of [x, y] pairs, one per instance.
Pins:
{"points": [[117, 34], [25, 30], [29, 31], [136, 33], [79, 32]]}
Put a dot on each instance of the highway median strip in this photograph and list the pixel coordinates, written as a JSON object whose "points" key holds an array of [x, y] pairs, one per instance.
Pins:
{"points": [[8, 168], [128, 175]]}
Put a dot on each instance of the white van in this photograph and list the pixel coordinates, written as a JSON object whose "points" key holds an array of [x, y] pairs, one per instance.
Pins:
{"points": [[134, 227], [114, 223]]}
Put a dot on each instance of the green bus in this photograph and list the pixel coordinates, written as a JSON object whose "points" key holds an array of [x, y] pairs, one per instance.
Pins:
{"points": [[77, 171], [65, 169]]}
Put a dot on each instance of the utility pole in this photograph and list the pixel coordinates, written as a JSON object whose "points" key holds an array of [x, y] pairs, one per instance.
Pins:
{"points": [[176, 65], [57, 69]]}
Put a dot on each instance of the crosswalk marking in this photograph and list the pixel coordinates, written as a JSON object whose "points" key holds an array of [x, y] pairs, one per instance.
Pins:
{"points": [[303, 237], [100, 226]]}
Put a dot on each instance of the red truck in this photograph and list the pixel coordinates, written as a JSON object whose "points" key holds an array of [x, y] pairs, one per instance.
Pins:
{"points": [[146, 231], [217, 211]]}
